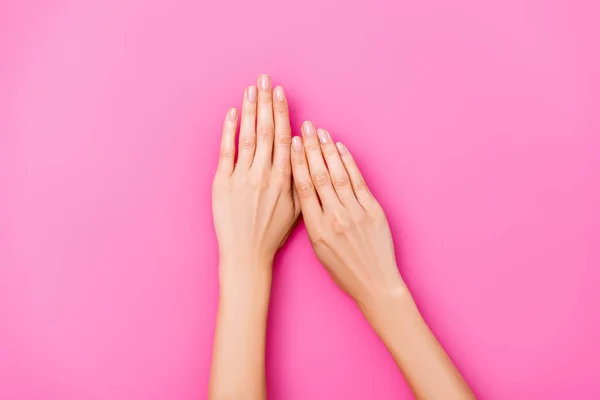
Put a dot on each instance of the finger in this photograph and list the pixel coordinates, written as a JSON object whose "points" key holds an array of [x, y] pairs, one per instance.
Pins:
{"points": [[303, 183], [227, 152], [265, 127], [247, 139], [283, 131], [337, 171], [317, 167], [361, 190]]}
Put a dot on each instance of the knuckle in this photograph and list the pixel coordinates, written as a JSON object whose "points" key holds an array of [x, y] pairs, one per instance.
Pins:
{"points": [[299, 160], [226, 153], [340, 182], [305, 190], [337, 227], [284, 139], [359, 184], [279, 179], [239, 181], [266, 132], [376, 211], [339, 223], [281, 107], [312, 146], [261, 181], [360, 217], [321, 179], [318, 236], [247, 143]]}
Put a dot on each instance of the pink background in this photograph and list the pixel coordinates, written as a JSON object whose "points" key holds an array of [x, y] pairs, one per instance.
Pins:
{"points": [[476, 123]]}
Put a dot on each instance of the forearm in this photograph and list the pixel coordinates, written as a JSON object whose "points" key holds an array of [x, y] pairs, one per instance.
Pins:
{"points": [[238, 364], [424, 363]]}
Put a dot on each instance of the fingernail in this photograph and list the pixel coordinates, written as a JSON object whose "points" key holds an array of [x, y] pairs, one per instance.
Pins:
{"points": [[322, 135], [251, 93], [297, 144], [232, 114], [264, 82], [279, 95], [309, 129], [341, 148]]}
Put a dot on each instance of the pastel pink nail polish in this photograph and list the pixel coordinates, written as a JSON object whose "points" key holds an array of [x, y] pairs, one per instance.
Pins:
{"points": [[297, 144], [322, 135], [251, 93], [341, 148], [264, 82], [278, 93], [309, 129], [232, 114]]}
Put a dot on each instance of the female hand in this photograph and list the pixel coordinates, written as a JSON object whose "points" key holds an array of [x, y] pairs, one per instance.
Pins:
{"points": [[253, 211], [346, 225], [253, 205], [351, 237]]}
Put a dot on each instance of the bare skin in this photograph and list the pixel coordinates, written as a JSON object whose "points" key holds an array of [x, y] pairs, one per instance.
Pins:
{"points": [[255, 206], [253, 210], [351, 237]]}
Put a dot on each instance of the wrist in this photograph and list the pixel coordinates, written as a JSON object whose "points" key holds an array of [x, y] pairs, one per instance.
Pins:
{"points": [[384, 303], [243, 257], [244, 276]]}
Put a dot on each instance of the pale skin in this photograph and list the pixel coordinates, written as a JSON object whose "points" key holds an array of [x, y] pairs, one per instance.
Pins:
{"points": [[256, 201]]}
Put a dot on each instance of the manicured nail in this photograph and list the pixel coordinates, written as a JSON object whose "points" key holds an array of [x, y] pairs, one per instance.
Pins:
{"points": [[279, 95], [264, 82], [341, 148], [322, 135], [251, 93], [232, 115], [309, 129], [297, 144]]}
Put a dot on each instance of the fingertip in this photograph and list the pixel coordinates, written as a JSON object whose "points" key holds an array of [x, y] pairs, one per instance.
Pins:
{"points": [[264, 82], [322, 135], [341, 148], [251, 94], [279, 94], [308, 128], [296, 144], [232, 114]]}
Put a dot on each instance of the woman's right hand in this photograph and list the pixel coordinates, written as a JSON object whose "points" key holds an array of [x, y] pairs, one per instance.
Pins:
{"points": [[346, 225]]}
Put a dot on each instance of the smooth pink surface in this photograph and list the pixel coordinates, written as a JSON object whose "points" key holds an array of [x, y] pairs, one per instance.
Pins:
{"points": [[476, 123]]}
